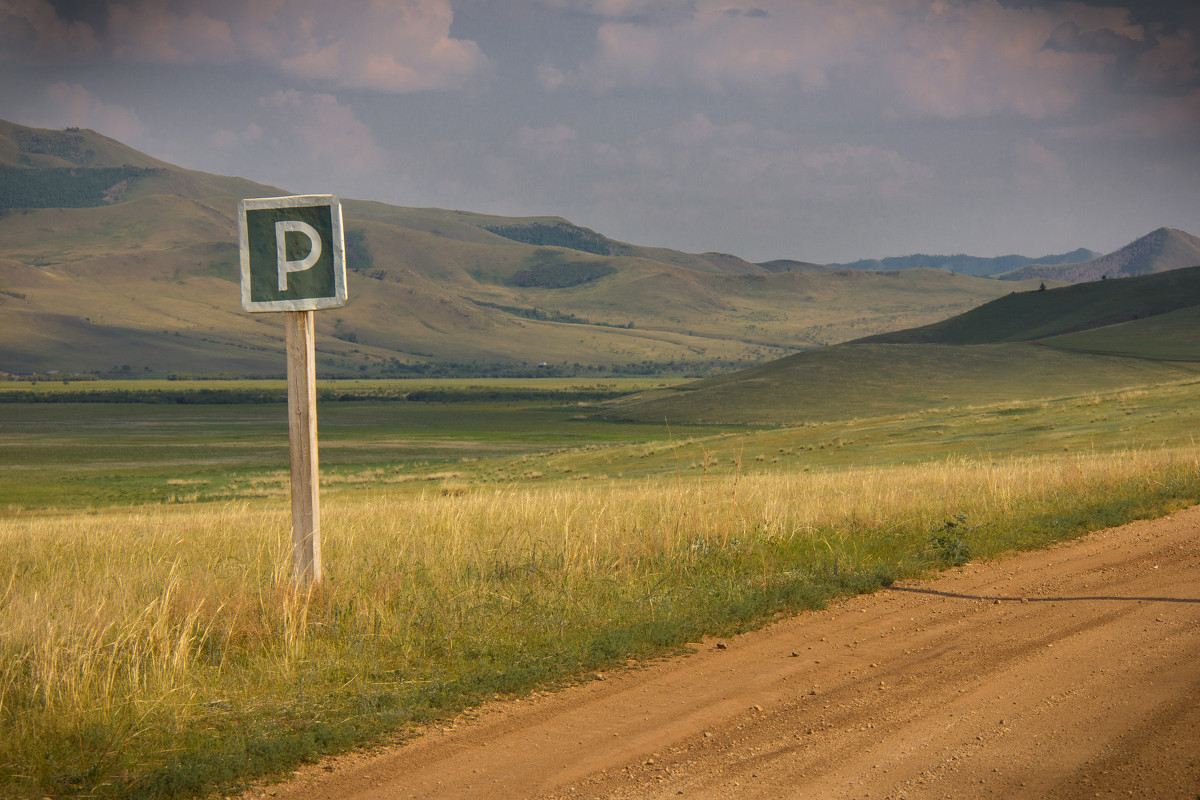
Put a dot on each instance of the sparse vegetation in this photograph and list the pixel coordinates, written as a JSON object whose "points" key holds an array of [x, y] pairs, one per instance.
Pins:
{"points": [[948, 544]]}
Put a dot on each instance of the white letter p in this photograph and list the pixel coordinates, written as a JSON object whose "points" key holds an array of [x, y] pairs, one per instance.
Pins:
{"points": [[286, 267]]}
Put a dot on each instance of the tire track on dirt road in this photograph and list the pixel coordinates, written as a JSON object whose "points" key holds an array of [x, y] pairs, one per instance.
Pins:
{"points": [[1071, 672]]}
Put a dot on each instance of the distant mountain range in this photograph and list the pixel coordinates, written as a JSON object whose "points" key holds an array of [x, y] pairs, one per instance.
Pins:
{"points": [[113, 262], [1158, 251], [969, 265]]}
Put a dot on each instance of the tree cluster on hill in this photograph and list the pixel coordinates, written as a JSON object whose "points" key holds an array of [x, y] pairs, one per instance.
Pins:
{"points": [[548, 316], [358, 255], [559, 234], [69, 145], [536, 313], [548, 272], [64, 187]]}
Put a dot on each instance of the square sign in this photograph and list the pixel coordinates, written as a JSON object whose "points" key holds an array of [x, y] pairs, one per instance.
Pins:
{"points": [[293, 253]]}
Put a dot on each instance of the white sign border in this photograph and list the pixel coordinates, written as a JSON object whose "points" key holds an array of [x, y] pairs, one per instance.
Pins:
{"points": [[339, 253]]}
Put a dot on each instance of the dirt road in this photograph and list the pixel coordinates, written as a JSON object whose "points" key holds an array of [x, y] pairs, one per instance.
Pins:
{"points": [[1068, 673]]}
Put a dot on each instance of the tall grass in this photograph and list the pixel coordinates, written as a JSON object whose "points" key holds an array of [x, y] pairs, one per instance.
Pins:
{"points": [[163, 652]]}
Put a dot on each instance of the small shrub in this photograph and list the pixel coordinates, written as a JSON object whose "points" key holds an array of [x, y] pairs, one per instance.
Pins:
{"points": [[947, 544]]}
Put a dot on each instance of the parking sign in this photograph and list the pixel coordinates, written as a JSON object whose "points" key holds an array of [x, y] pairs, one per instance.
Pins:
{"points": [[293, 253]]}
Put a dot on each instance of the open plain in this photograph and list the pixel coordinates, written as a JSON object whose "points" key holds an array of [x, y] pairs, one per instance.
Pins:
{"points": [[1069, 672]]}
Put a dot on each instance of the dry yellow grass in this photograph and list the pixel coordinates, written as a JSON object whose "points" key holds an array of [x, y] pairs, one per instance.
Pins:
{"points": [[126, 637]]}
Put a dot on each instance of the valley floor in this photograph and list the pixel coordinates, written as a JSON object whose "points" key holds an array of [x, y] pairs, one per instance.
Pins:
{"points": [[1069, 672]]}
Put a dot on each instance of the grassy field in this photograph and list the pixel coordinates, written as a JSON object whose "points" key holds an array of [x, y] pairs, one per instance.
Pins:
{"points": [[1065, 342], [393, 387], [62, 456], [71, 455], [153, 645]]}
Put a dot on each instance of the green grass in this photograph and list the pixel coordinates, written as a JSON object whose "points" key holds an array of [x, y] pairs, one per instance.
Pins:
{"points": [[864, 380], [389, 387], [476, 549], [241, 391], [178, 661], [1024, 316], [1173, 336], [1102, 422], [68, 455], [73, 456]]}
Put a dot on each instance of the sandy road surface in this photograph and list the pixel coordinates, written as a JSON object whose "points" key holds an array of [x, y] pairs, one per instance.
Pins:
{"points": [[1068, 673]]}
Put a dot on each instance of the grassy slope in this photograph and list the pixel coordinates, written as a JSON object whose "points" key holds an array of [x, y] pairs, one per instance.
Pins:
{"points": [[1026, 316], [1173, 336], [417, 305], [152, 282], [869, 379], [471, 226], [43, 147], [21, 146], [971, 359]]}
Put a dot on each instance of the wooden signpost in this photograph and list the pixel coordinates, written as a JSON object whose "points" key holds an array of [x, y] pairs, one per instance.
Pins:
{"points": [[294, 261]]}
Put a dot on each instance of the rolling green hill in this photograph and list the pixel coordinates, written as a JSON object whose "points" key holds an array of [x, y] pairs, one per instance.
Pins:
{"points": [[1066, 342], [140, 276], [1173, 336], [1021, 317], [76, 168]]}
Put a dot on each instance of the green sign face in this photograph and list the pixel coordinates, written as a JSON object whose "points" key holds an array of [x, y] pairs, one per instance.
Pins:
{"points": [[293, 253]]}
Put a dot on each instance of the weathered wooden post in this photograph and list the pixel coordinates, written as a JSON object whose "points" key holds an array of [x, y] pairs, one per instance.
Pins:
{"points": [[293, 260], [302, 447]]}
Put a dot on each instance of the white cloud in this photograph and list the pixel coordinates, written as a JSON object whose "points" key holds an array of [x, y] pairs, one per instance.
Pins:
{"points": [[1040, 169], [384, 45], [1149, 118], [155, 33], [695, 130], [314, 129], [982, 58], [225, 139], [956, 59], [33, 27], [71, 105], [732, 187], [554, 138], [696, 163], [617, 8], [846, 170], [551, 77], [1173, 66], [721, 50], [389, 46]]}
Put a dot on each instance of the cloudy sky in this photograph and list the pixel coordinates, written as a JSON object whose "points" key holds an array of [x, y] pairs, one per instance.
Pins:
{"points": [[821, 130]]}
